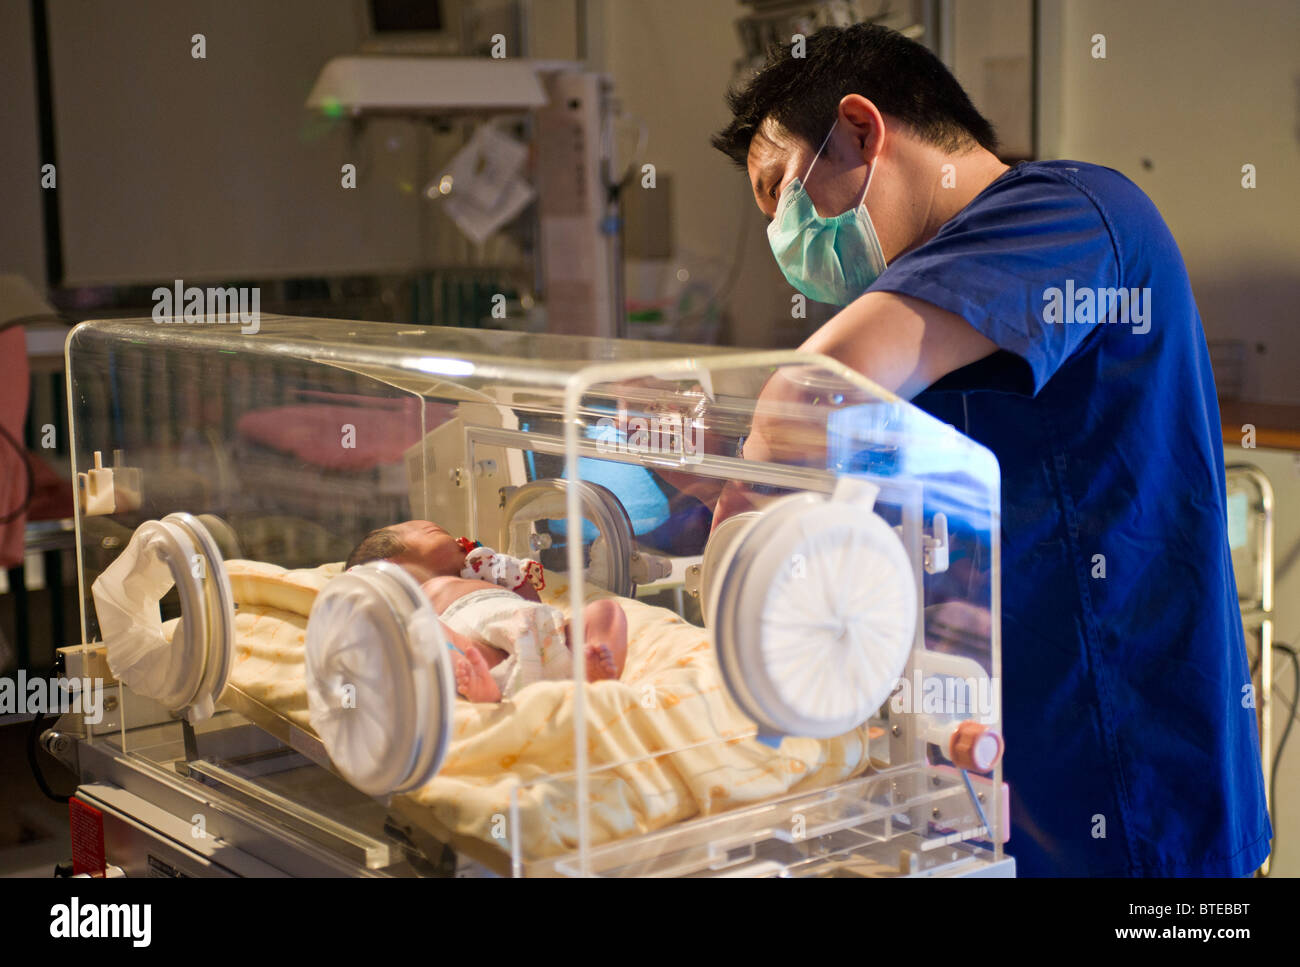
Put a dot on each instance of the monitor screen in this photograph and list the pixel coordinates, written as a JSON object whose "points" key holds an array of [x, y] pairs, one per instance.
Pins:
{"points": [[393, 16]]}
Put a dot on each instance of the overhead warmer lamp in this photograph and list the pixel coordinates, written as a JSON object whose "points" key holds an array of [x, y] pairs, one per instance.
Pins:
{"points": [[376, 85]]}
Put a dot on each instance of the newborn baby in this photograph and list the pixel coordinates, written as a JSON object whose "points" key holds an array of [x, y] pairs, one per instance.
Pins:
{"points": [[504, 637]]}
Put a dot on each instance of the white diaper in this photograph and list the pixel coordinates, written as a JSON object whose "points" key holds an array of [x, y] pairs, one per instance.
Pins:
{"points": [[532, 636]]}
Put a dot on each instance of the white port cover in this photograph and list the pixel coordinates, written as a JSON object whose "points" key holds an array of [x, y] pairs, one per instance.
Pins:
{"points": [[814, 615], [187, 674], [380, 683], [716, 556]]}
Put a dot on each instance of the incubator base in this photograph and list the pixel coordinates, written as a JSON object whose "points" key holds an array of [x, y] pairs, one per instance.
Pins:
{"points": [[233, 799]]}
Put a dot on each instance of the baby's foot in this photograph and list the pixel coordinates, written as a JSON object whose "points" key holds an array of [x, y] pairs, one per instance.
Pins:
{"points": [[600, 664], [473, 677]]}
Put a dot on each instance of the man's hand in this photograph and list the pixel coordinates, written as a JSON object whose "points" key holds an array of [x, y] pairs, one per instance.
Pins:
{"points": [[788, 428], [698, 438]]}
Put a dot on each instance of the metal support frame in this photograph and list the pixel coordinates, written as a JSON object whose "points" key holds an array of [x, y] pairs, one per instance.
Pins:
{"points": [[1257, 615]]}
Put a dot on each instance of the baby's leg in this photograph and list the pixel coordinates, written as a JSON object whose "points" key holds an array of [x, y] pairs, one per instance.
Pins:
{"points": [[605, 631], [473, 677], [472, 666]]}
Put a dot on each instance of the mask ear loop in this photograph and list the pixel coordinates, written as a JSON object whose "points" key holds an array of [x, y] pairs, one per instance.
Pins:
{"points": [[825, 141], [871, 168]]}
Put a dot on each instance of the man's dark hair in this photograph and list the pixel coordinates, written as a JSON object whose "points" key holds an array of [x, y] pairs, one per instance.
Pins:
{"points": [[378, 545], [901, 77]]}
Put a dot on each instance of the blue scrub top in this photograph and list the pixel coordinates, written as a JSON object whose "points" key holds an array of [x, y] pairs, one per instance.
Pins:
{"points": [[1132, 746]]}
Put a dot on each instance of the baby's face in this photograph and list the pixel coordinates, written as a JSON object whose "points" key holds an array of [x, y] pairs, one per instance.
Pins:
{"points": [[429, 548]]}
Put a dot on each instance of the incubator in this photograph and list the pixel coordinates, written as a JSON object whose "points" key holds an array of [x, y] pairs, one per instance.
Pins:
{"points": [[807, 567]]}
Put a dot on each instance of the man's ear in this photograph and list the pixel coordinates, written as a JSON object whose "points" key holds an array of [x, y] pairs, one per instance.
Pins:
{"points": [[859, 115]]}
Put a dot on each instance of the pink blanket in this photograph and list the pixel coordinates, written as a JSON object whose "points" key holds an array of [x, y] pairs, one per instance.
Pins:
{"points": [[13, 414], [350, 433]]}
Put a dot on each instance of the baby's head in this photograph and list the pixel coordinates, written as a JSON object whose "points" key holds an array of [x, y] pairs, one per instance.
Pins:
{"points": [[418, 545]]}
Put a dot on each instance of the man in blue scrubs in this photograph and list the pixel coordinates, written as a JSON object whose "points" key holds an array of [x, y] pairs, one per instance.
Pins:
{"points": [[1045, 311]]}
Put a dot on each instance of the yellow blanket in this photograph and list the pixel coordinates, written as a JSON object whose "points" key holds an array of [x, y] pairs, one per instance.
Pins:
{"points": [[665, 741]]}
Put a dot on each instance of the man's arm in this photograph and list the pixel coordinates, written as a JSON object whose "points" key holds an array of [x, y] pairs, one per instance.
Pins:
{"points": [[901, 343]]}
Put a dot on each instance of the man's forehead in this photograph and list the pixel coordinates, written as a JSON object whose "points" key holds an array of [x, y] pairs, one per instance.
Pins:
{"points": [[769, 155], [770, 145]]}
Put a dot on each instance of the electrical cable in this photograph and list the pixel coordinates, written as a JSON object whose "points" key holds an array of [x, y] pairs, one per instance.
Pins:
{"points": [[1291, 653], [733, 274], [720, 295], [1294, 702]]}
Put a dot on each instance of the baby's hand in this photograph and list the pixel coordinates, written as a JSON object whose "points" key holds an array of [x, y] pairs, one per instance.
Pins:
{"points": [[512, 573]]}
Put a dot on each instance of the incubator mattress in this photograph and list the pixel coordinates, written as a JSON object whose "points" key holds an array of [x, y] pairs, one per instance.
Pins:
{"points": [[665, 742]]}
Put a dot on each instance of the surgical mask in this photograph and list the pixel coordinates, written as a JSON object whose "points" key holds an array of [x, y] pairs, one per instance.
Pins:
{"points": [[832, 260]]}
